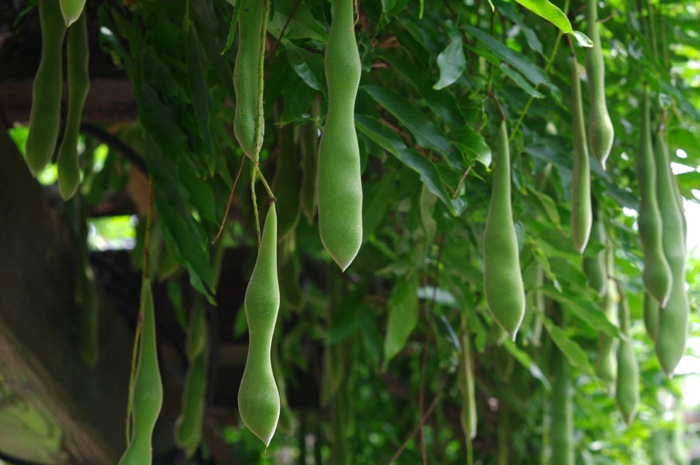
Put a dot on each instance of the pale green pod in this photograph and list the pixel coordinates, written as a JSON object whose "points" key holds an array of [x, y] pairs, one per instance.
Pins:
{"points": [[147, 388], [600, 128], [339, 183], [503, 281], [627, 388], [606, 361], [581, 209], [258, 396], [78, 87], [45, 114], [657, 273], [562, 426], [672, 330], [248, 77]]}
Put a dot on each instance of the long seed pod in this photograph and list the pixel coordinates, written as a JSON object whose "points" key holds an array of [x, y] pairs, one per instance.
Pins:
{"points": [[339, 184], [503, 281], [188, 426], [673, 318], [581, 209], [248, 77], [308, 146], [562, 425], [594, 266], [466, 385], [600, 128], [147, 398], [258, 396], [606, 362], [45, 114], [627, 387], [78, 86], [651, 316], [657, 274], [287, 183]]}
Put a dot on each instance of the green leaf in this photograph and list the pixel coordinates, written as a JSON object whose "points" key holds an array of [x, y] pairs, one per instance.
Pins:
{"points": [[443, 104], [232, 27], [308, 66], [520, 81], [550, 12], [423, 129], [429, 174], [520, 62], [300, 24], [472, 144], [524, 359], [590, 314], [550, 207], [403, 316], [451, 61], [573, 352], [582, 40]]}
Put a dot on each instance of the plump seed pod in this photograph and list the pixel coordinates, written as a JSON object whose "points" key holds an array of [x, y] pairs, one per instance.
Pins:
{"points": [[466, 386], [503, 281], [594, 266], [651, 316], [606, 362], [308, 146], [657, 274], [339, 185], [147, 388], [581, 210], [600, 128], [248, 75], [71, 10], [45, 114], [673, 318], [258, 397], [562, 426], [78, 86], [627, 388], [287, 183], [188, 426], [658, 447]]}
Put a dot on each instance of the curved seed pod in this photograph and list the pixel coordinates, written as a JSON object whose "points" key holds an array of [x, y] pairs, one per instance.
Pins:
{"points": [[339, 185], [248, 77], [594, 265], [78, 86], [147, 388], [308, 145], [503, 282], [606, 363], [466, 385], [600, 128], [562, 426], [657, 274], [581, 210], [188, 426], [678, 451], [658, 445], [71, 10], [45, 114], [627, 388], [651, 316], [673, 318], [258, 397], [287, 183]]}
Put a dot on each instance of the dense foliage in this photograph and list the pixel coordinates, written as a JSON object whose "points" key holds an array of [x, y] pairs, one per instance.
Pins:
{"points": [[411, 349]]}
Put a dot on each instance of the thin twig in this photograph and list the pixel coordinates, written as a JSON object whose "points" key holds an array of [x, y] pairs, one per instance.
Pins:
{"points": [[230, 200], [418, 427]]}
